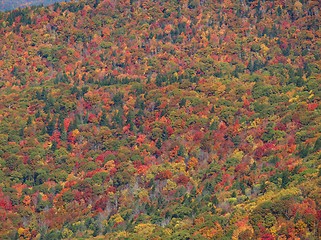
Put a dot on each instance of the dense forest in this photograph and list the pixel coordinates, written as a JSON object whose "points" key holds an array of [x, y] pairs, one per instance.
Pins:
{"points": [[136, 119], [6, 5]]}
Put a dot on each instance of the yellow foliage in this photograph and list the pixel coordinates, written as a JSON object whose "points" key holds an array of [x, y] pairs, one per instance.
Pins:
{"points": [[168, 231], [255, 123], [300, 227], [117, 218], [311, 96], [122, 234], [178, 167], [66, 233], [170, 185], [21, 231], [149, 176], [110, 164], [221, 88], [143, 193], [75, 132], [237, 154], [294, 99], [273, 230], [250, 139], [273, 196], [264, 48], [215, 118], [71, 177], [24, 233], [298, 6], [145, 229]]}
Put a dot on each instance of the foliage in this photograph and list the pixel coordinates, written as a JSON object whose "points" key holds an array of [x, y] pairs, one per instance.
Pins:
{"points": [[160, 119]]}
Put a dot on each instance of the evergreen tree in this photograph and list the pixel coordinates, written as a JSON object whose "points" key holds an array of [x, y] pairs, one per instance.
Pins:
{"points": [[103, 119]]}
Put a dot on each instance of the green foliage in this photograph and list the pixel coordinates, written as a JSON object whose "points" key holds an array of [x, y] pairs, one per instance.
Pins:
{"points": [[67, 196], [317, 145], [133, 120], [13, 161]]}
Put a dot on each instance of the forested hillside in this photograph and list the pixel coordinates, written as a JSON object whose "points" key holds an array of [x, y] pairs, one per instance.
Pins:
{"points": [[6, 5], [161, 120]]}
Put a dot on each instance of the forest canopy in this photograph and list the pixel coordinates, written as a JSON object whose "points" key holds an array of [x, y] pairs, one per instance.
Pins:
{"points": [[161, 120]]}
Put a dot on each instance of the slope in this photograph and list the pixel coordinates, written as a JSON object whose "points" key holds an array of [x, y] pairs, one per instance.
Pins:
{"points": [[164, 120], [6, 5]]}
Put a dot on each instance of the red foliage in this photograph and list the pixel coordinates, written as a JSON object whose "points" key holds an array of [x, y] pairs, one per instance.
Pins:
{"points": [[112, 171], [222, 125], [126, 128], [263, 150], [236, 127], [91, 52], [141, 170], [318, 215], [312, 106], [55, 137], [71, 138], [182, 179], [100, 159], [69, 68], [92, 118], [170, 130], [267, 236], [67, 123], [77, 195], [90, 174], [25, 159], [280, 126], [5, 202], [166, 174], [100, 205], [111, 189], [70, 184], [141, 138], [198, 136]]}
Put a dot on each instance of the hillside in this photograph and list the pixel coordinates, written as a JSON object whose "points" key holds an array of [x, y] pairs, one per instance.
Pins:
{"points": [[6, 5], [161, 120]]}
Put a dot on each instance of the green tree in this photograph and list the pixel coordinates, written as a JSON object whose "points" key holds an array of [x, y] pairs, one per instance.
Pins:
{"points": [[13, 161], [317, 145]]}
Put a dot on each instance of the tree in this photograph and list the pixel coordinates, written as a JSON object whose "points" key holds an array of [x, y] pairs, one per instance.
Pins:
{"points": [[317, 145], [13, 161], [103, 119]]}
